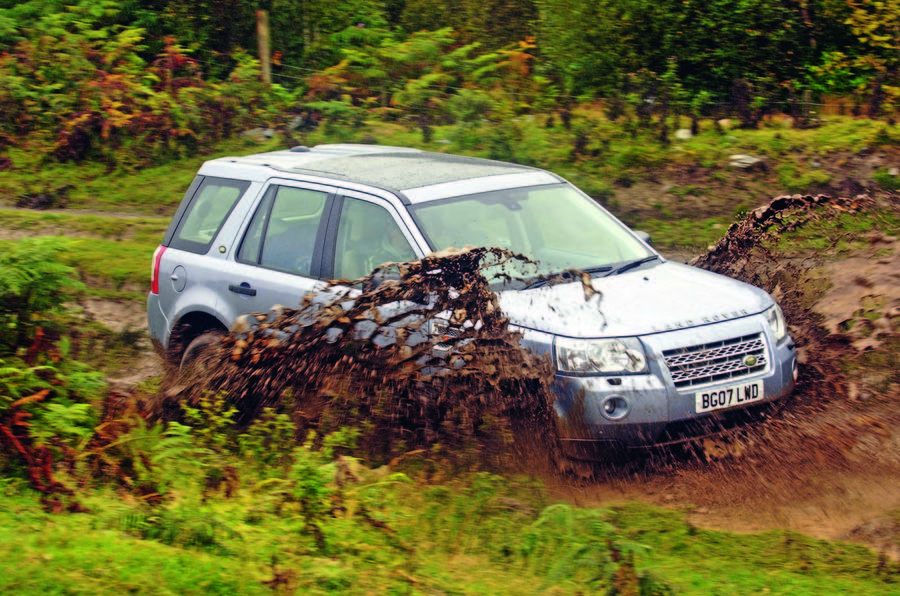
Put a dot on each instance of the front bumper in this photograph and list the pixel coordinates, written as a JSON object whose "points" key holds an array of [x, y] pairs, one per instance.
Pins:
{"points": [[652, 400]]}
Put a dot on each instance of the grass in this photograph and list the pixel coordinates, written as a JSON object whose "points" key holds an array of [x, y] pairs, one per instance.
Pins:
{"points": [[74, 554], [684, 233], [610, 154], [137, 228], [478, 534], [118, 269], [886, 180], [838, 235], [152, 190], [774, 562], [110, 264], [795, 179]]}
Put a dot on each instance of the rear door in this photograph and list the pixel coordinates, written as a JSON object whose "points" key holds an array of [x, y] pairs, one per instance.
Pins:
{"points": [[278, 258], [190, 267]]}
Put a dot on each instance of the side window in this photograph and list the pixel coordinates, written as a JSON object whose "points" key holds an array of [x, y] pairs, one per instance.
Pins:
{"points": [[367, 237], [282, 233], [206, 212], [251, 245]]}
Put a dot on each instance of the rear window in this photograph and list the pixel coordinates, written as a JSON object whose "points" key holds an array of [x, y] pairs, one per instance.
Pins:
{"points": [[208, 209]]}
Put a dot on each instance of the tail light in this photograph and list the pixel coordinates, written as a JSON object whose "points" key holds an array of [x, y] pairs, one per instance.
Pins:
{"points": [[154, 272]]}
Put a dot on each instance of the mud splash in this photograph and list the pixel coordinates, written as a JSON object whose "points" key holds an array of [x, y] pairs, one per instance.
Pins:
{"points": [[419, 356], [745, 252], [416, 355]]}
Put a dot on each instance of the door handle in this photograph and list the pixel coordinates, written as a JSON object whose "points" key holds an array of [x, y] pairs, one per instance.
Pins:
{"points": [[244, 289]]}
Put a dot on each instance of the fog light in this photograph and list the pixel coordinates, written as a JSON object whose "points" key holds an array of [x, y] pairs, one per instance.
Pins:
{"points": [[614, 407]]}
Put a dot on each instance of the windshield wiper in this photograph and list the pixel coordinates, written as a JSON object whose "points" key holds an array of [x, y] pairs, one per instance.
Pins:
{"points": [[597, 269], [566, 275], [631, 265]]}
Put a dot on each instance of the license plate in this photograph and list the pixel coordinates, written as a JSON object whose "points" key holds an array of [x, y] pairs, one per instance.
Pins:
{"points": [[729, 397]]}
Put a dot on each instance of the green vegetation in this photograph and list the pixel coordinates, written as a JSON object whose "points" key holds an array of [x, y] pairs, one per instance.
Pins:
{"points": [[886, 180], [153, 190], [32, 283], [145, 83], [90, 256], [72, 224], [390, 533], [152, 194], [793, 181], [840, 234], [409, 538], [684, 233]]}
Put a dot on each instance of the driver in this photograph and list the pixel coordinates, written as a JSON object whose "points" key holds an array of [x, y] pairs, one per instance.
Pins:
{"points": [[392, 247]]}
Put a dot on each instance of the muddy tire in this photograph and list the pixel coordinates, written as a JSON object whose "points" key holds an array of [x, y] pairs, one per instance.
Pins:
{"points": [[197, 346]]}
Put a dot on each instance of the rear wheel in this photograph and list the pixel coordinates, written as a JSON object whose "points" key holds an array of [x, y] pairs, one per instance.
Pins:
{"points": [[184, 375], [198, 345]]}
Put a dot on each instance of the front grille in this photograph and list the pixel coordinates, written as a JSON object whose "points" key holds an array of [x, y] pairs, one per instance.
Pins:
{"points": [[717, 361]]}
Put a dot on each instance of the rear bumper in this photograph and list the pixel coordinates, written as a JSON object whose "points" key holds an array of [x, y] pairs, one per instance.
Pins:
{"points": [[157, 325]]}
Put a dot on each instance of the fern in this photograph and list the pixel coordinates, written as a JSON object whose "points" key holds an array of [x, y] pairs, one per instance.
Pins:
{"points": [[176, 444], [269, 442], [19, 382], [72, 424]]}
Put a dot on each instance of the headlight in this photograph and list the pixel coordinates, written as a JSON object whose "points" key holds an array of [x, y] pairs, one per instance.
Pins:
{"points": [[776, 322], [623, 356]]}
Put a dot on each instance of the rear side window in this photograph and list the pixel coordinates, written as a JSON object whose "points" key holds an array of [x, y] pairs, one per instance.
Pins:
{"points": [[282, 234], [206, 212]]}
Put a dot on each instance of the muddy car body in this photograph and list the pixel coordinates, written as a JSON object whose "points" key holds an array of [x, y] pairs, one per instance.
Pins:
{"points": [[654, 344]]}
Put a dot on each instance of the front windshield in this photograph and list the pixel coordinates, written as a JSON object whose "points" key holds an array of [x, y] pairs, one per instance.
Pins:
{"points": [[553, 224]]}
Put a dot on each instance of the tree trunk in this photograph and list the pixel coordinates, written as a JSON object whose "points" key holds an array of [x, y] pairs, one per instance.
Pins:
{"points": [[262, 35]]}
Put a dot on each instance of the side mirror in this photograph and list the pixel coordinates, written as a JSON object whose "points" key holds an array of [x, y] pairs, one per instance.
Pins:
{"points": [[645, 236]]}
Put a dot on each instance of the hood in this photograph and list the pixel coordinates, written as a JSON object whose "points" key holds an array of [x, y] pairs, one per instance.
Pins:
{"points": [[639, 302]]}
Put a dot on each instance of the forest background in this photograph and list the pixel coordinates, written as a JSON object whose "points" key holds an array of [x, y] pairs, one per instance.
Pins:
{"points": [[133, 81]]}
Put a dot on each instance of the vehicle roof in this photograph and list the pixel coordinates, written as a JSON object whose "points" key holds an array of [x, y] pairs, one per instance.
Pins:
{"points": [[390, 168]]}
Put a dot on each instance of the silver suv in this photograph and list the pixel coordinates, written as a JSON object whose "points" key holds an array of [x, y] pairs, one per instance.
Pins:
{"points": [[659, 344]]}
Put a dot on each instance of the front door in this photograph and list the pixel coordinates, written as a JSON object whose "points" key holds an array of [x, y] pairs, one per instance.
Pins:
{"points": [[279, 257]]}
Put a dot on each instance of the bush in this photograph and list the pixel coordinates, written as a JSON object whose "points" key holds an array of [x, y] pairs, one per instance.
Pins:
{"points": [[33, 285], [86, 93]]}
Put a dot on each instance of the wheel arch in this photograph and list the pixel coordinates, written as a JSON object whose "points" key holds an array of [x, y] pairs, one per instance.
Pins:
{"points": [[189, 326]]}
